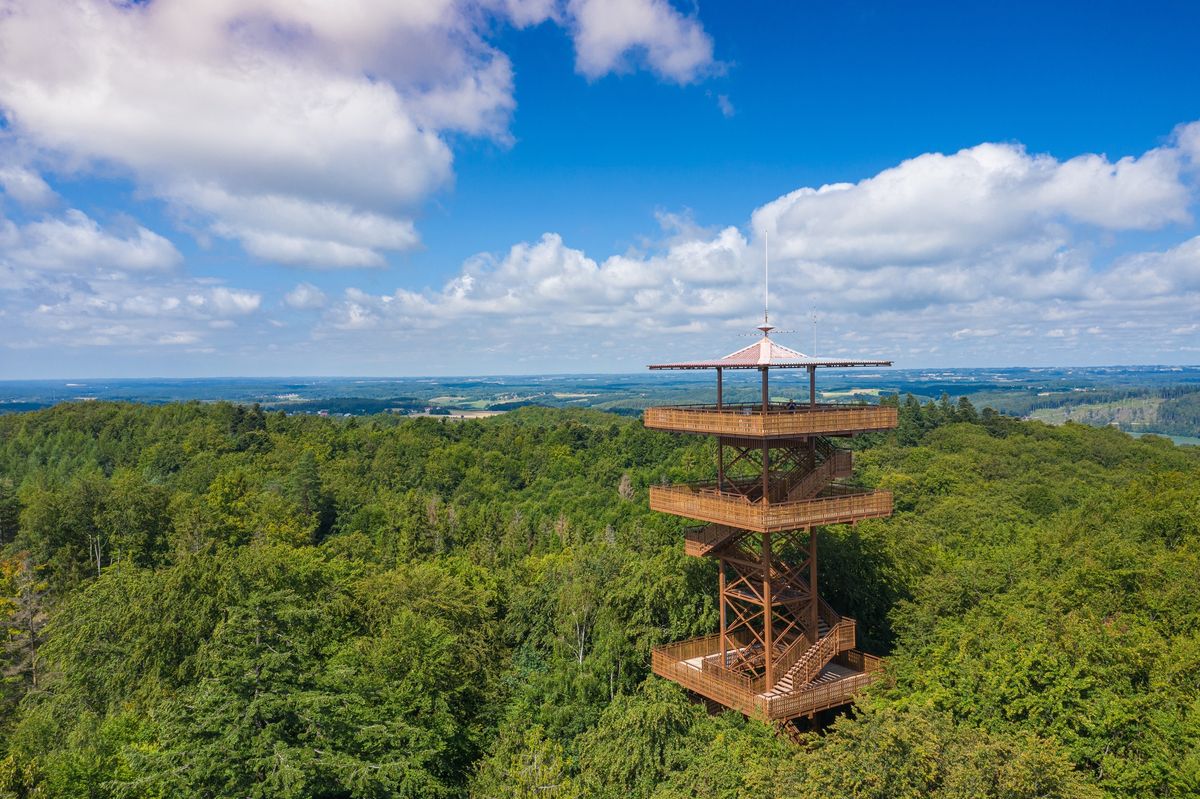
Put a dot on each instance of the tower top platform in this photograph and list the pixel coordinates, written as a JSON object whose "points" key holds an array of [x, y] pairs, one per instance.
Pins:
{"points": [[766, 353]]}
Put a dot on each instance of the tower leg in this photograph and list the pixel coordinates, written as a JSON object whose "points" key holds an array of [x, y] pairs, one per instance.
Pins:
{"points": [[724, 619], [813, 602], [768, 620], [720, 465]]}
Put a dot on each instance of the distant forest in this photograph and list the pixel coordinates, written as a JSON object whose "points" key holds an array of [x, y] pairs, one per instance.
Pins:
{"points": [[214, 600], [1180, 415]]}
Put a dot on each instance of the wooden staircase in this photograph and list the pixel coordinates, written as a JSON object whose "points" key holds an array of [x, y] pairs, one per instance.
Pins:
{"points": [[805, 673], [839, 464], [828, 463], [813, 660], [700, 541]]}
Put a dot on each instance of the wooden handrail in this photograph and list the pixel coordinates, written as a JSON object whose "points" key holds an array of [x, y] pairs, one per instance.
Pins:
{"points": [[838, 462], [812, 660], [774, 407], [788, 658], [737, 679], [700, 541], [669, 661], [776, 421], [694, 502], [812, 700]]}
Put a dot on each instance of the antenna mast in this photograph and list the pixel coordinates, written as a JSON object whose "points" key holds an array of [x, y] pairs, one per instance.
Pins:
{"points": [[766, 281]]}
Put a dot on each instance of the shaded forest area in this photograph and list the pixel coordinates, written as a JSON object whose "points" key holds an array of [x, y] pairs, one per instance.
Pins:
{"points": [[210, 600]]}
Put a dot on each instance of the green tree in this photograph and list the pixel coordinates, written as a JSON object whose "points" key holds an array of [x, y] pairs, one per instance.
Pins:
{"points": [[10, 511], [526, 766], [920, 754], [639, 740], [304, 483], [134, 518]]}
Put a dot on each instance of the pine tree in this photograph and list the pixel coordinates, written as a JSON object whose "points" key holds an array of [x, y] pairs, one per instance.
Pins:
{"points": [[304, 483], [966, 411], [10, 511], [25, 625]]}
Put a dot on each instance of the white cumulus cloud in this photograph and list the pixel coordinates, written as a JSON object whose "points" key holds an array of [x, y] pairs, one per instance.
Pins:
{"points": [[608, 33], [308, 132], [25, 186], [304, 297], [987, 249], [74, 242]]}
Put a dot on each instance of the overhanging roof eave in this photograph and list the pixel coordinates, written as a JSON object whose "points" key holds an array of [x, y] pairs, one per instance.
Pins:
{"points": [[831, 364]]}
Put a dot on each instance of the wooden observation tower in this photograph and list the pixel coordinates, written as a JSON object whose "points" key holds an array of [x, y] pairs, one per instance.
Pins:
{"points": [[782, 652]]}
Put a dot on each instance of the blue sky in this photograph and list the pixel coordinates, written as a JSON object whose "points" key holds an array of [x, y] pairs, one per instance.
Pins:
{"points": [[519, 186]]}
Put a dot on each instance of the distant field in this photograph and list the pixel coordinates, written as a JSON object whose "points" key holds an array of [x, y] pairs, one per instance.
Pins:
{"points": [[1136, 398], [858, 392], [1128, 413], [1149, 414]]}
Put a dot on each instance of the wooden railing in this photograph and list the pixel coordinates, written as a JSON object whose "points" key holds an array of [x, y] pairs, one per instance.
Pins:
{"points": [[828, 614], [809, 662], [861, 661], [783, 664], [670, 661], [779, 421], [699, 541], [838, 464], [816, 698], [702, 501], [735, 679]]}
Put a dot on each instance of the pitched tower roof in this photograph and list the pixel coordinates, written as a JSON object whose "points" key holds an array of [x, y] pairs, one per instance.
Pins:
{"points": [[766, 352]]}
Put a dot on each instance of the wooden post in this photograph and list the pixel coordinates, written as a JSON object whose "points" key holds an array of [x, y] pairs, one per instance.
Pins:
{"points": [[812, 386], [813, 609], [766, 458], [720, 460], [720, 465], [721, 600], [768, 623], [766, 475]]}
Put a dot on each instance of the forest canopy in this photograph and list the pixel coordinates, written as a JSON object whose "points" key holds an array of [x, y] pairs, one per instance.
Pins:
{"points": [[212, 600]]}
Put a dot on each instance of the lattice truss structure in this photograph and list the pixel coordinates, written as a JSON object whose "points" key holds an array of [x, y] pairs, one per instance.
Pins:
{"points": [[781, 652]]}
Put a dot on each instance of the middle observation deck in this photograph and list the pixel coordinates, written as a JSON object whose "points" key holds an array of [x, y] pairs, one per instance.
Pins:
{"points": [[772, 421], [709, 503]]}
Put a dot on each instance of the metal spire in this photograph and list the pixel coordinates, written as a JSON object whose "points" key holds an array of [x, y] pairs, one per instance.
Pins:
{"points": [[766, 327]]}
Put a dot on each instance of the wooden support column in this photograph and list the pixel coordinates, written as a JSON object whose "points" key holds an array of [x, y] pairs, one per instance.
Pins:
{"points": [[768, 620], [766, 474], [812, 386], [766, 453], [721, 469], [814, 602], [720, 465], [724, 621]]}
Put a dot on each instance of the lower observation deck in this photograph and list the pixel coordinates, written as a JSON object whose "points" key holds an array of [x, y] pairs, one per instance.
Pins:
{"points": [[777, 421], [703, 501], [833, 686]]}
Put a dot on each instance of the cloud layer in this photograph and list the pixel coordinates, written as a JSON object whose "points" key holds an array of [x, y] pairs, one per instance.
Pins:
{"points": [[924, 261], [309, 133]]}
